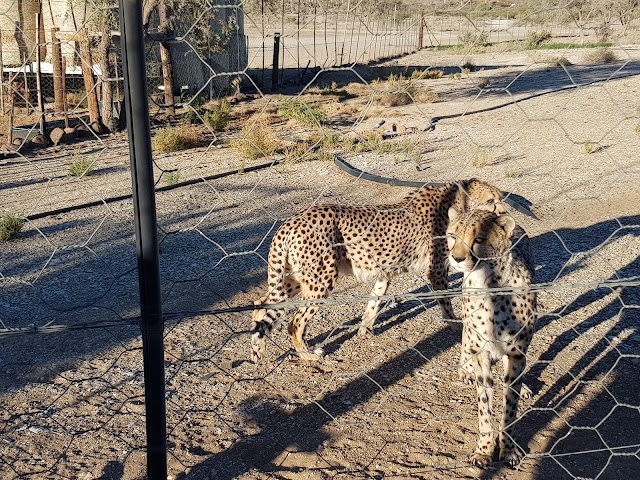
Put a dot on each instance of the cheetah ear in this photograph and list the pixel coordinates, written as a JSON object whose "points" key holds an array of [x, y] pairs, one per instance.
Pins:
{"points": [[507, 223], [453, 214]]}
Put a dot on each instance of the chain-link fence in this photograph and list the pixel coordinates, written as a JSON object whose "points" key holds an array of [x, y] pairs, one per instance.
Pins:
{"points": [[539, 100]]}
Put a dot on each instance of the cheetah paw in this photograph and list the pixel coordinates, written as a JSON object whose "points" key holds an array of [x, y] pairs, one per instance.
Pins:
{"points": [[365, 332], [306, 356], [466, 377], [526, 392], [480, 459], [512, 456]]}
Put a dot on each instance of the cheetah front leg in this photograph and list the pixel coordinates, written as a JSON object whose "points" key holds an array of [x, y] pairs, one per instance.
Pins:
{"points": [[373, 307], [466, 373], [513, 368], [485, 446], [437, 276]]}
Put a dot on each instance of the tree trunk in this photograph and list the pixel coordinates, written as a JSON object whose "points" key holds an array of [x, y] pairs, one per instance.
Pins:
{"points": [[87, 74], [107, 85], [56, 60], [167, 63]]}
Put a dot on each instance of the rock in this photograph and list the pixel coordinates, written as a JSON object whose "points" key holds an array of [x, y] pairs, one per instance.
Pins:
{"points": [[58, 136], [39, 141], [84, 131], [71, 132], [97, 128]]}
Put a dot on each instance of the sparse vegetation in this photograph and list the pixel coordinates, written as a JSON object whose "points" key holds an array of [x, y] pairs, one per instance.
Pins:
{"points": [[481, 157], [171, 139], [589, 148], [304, 113], [483, 83], [512, 174], [218, 118], [535, 39], [325, 156], [474, 38], [10, 225], [600, 56], [407, 94], [431, 73], [255, 140], [638, 129], [468, 66], [171, 177], [80, 166]]}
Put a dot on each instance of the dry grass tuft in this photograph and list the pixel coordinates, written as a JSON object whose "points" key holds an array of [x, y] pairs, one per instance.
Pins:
{"points": [[481, 157], [255, 140], [600, 56], [171, 139]]}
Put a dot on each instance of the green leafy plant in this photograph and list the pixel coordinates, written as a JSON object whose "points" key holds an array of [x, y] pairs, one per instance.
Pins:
{"points": [[304, 113], [80, 166], [10, 225], [219, 117]]}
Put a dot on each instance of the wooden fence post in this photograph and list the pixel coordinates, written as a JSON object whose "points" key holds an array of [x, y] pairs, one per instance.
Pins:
{"points": [[87, 74], [56, 59]]}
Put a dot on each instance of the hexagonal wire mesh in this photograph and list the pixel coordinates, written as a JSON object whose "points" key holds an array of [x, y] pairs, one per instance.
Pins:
{"points": [[540, 100]]}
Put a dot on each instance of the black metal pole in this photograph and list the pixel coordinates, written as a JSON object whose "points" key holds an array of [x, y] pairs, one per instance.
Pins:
{"points": [[276, 57], [152, 324]]}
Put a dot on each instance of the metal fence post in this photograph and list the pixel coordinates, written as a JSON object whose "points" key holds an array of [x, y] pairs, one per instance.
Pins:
{"points": [[152, 324], [276, 58]]}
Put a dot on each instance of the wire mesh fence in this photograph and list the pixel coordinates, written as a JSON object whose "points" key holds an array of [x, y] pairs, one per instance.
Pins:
{"points": [[539, 100]]}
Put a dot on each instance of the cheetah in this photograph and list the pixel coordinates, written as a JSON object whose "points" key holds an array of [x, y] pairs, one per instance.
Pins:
{"points": [[370, 242], [493, 252]]}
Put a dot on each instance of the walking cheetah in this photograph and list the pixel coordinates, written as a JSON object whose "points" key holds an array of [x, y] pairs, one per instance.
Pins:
{"points": [[493, 252], [370, 242]]}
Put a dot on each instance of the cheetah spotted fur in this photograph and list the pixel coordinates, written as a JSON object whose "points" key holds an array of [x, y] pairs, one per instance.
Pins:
{"points": [[493, 252], [370, 242]]}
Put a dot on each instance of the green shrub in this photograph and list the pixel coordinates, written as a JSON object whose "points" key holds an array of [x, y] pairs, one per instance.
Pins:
{"points": [[307, 114], [10, 225], [218, 118], [80, 166]]}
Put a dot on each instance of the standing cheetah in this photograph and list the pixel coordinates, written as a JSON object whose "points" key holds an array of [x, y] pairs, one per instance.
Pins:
{"points": [[493, 252], [370, 242]]}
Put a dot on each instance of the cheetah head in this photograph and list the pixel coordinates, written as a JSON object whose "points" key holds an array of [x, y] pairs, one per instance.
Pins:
{"points": [[482, 195], [477, 235]]}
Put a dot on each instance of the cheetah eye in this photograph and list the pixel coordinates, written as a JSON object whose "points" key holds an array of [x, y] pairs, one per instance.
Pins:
{"points": [[480, 240]]}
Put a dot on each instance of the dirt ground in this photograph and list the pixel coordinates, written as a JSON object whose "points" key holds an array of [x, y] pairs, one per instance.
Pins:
{"points": [[385, 407]]}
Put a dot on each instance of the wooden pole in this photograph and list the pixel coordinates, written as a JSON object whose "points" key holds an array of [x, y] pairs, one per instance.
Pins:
{"points": [[56, 59], [65, 101], [41, 118], [87, 74], [1, 78], [10, 122], [166, 60]]}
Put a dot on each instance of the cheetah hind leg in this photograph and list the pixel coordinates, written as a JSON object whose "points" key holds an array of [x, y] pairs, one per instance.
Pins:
{"points": [[373, 307]]}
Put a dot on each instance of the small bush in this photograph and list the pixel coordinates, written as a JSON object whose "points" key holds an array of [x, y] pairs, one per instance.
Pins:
{"points": [[255, 140], [171, 139], [426, 74], [307, 114], [325, 156], [600, 56], [513, 174], [218, 118], [468, 66], [171, 178], [407, 95], [535, 39], [481, 157], [590, 148], [474, 38], [483, 83], [638, 129], [10, 225], [80, 166]]}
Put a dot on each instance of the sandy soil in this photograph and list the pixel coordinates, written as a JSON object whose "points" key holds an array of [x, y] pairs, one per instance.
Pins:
{"points": [[389, 406]]}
